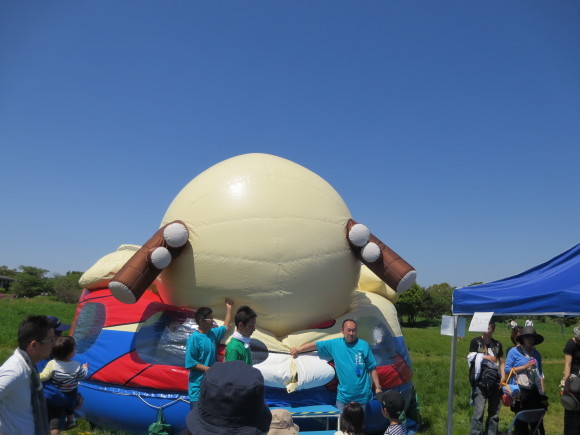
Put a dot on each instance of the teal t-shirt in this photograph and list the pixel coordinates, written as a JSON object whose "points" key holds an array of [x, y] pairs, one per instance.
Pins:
{"points": [[201, 349], [236, 351], [353, 363]]}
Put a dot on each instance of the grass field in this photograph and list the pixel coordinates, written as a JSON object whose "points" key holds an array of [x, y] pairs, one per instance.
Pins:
{"points": [[429, 350]]}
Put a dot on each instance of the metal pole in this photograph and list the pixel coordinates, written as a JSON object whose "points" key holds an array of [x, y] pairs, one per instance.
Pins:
{"points": [[451, 380]]}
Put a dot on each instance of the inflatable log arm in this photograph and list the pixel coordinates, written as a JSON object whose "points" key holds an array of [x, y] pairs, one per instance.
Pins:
{"points": [[146, 264], [378, 257]]}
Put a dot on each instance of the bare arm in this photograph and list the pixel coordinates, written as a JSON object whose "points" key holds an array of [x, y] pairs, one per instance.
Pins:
{"points": [[567, 371], [228, 319], [200, 368], [308, 347], [375, 379], [502, 369]]}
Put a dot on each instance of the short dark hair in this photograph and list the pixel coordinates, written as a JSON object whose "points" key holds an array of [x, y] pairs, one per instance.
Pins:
{"points": [[348, 320], [244, 315], [202, 313], [33, 328], [63, 346], [352, 418]]}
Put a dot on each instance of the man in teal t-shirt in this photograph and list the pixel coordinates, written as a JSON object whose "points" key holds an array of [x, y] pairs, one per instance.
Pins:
{"points": [[354, 363], [201, 348], [239, 346]]}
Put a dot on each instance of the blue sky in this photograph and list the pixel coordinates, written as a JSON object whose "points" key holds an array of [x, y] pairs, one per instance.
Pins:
{"points": [[451, 128]]}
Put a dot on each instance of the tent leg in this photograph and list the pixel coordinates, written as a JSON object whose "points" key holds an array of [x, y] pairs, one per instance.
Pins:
{"points": [[451, 379]]}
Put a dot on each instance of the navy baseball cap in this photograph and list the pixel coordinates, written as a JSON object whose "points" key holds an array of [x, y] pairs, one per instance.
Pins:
{"points": [[57, 325]]}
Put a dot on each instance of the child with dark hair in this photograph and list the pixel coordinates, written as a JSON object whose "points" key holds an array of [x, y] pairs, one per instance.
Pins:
{"points": [[352, 420], [65, 375], [239, 346], [201, 346], [393, 406]]}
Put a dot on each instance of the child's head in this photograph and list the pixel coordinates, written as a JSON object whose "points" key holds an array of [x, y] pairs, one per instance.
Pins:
{"points": [[352, 418], [245, 321], [392, 404], [63, 347]]}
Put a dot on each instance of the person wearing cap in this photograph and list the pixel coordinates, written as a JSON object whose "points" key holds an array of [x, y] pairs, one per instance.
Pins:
{"points": [[231, 400], [526, 361], [571, 381], [354, 363], [22, 404], [239, 346], [201, 347], [393, 406], [485, 355]]}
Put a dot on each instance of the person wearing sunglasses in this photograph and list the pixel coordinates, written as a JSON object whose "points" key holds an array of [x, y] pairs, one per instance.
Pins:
{"points": [[201, 348]]}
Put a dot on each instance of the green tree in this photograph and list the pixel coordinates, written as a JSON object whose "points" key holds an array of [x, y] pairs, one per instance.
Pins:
{"points": [[438, 301], [30, 281], [411, 303], [66, 288], [9, 273]]}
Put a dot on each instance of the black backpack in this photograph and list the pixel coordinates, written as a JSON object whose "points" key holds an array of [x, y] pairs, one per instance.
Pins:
{"points": [[488, 381]]}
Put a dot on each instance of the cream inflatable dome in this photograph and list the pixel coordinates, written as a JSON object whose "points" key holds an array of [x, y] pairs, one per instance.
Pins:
{"points": [[267, 233]]}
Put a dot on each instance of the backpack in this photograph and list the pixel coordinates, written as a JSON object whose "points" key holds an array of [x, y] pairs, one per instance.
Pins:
{"points": [[472, 373], [488, 381]]}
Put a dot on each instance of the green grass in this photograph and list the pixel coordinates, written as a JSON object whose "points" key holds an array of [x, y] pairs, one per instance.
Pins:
{"points": [[429, 351], [430, 354]]}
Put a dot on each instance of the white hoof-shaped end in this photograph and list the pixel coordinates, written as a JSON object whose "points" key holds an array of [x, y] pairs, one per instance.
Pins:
{"points": [[160, 258], [407, 281], [359, 235], [122, 292], [175, 235], [371, 252]]}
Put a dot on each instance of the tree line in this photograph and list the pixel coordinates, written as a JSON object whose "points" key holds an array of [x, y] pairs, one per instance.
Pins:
{"points": [[29, 281], [431, 302]]}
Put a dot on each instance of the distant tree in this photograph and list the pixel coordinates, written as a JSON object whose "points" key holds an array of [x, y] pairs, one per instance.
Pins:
{"points": [[9, 273], [66, 287], [411, 303], [6, 271], [439, 298], [475, 283], [30, 281]]}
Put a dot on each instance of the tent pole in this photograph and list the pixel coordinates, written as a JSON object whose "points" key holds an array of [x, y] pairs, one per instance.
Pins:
{"points": [[451, 379]]}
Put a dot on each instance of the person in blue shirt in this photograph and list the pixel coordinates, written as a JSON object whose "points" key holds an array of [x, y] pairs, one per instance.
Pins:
{"points": [[526, 361], [354, 363], [201, 348]]}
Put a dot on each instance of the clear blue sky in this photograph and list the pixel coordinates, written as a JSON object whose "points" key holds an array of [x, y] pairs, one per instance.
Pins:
{"points": [[451, 128]]}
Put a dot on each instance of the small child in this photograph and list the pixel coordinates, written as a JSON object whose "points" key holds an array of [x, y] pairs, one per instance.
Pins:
{"points": [[352, 420], [65, 373], [393, 406]]}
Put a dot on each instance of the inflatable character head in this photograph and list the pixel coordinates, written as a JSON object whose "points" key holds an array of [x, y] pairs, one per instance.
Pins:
{"points": [[268, 233]]}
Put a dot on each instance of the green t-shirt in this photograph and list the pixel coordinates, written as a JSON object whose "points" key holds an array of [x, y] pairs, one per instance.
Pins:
{"points": [[235, 351]]}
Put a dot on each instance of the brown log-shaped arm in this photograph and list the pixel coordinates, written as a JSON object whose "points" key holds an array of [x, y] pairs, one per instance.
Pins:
{"points": [[378, 257], [131, 281]]}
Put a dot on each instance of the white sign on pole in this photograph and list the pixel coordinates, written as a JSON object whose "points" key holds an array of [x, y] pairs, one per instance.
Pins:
{"points": [[480, 322], [447, 326]]}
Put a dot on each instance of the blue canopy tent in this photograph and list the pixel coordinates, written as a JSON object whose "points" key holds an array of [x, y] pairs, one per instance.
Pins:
{"points": [[552, 288]]}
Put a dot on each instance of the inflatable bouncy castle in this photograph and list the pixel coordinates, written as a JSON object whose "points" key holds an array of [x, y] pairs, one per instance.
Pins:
{"points": [[264, 232]]}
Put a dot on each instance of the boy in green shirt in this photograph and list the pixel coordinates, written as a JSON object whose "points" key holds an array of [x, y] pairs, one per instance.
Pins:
{"points": [[239, 346]]}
